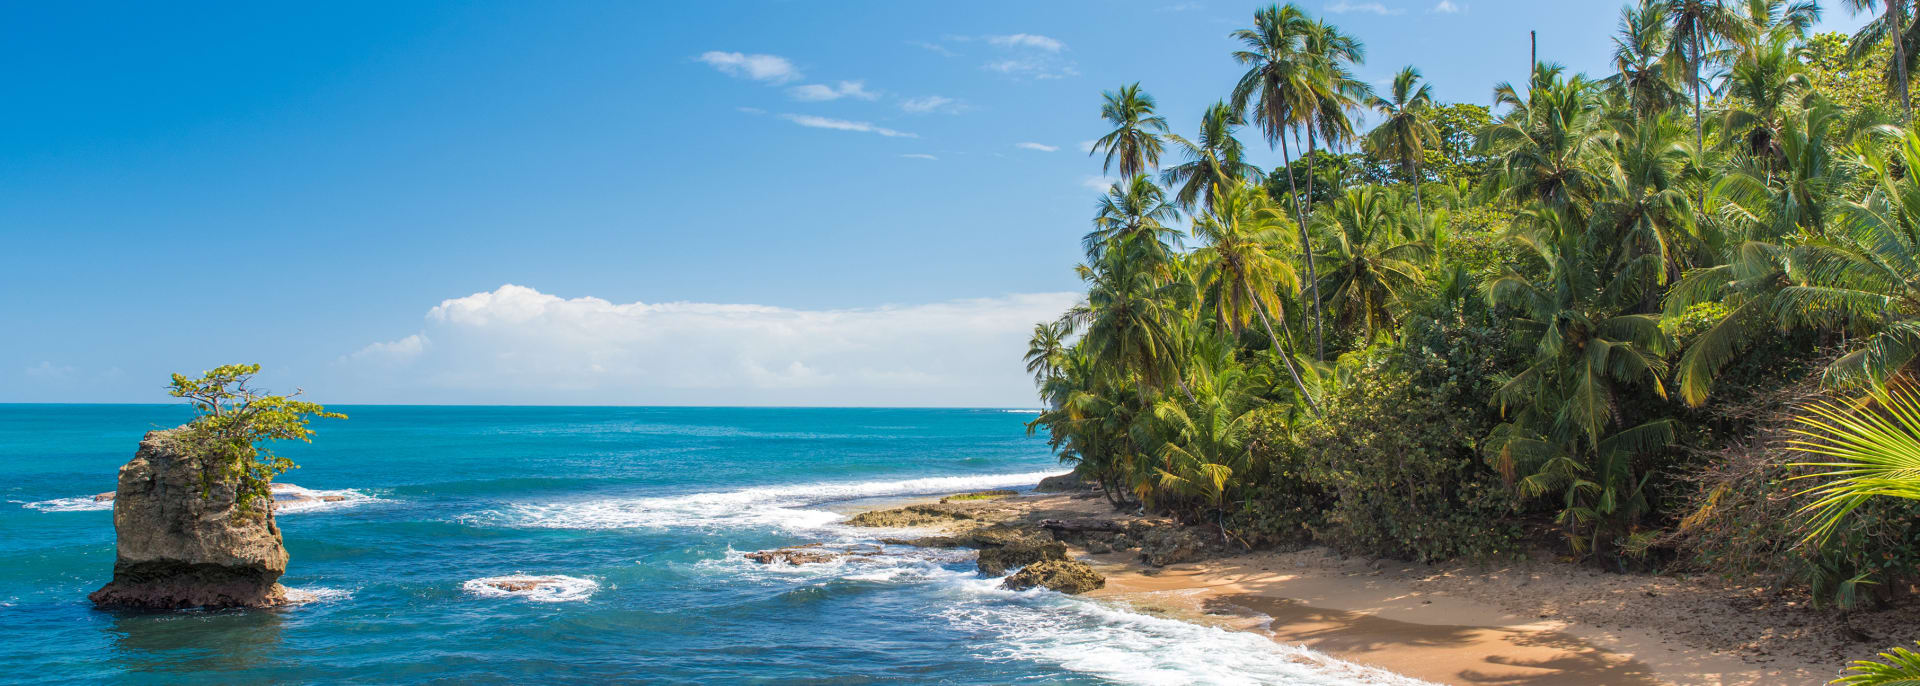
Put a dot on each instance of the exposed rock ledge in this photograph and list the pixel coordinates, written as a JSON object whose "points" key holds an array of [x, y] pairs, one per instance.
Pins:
{"points": [[178, 547]]}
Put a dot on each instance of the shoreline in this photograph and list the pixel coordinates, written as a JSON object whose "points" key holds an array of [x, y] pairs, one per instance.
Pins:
{"points": [[1532, 623]]}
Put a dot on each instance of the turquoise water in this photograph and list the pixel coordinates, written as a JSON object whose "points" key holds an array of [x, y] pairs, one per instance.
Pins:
{"points": [[646, 512]]}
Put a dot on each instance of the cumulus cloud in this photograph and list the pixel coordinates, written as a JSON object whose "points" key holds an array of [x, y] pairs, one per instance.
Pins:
{"points": [[1042, 147], [1346, 6], [811, 121], [815, 92], [517, 344], [772, 69], [1031, 56]]}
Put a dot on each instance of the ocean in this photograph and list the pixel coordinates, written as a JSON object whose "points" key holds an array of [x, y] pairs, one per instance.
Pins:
{"points": [[645, 513]]}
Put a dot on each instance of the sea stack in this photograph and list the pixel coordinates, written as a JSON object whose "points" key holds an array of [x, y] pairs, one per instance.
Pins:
{"points": [[182, 544]]}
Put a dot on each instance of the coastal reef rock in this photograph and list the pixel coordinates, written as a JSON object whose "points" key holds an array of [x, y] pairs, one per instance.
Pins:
{"points": [[994, 494], [812, 553], [1064, 483], [909, 517], [997, 560], [179, 548], [1065, 576], [1166, 545]]}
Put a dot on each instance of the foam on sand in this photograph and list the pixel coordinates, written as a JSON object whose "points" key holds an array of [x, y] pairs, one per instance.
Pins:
{"points": [[781, 507], [548, 588]]}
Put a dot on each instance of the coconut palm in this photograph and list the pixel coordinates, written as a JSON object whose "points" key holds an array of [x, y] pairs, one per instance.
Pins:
{"points": [[1208, 441], [1405, 129], [1698, 27], [1133, 216], [1372, 261], [1241, 271], [1130, 319], [1765, 81], [1644, 73], [1893, 25], [1543, 150], [1133, 140], [1333, 94], [1047, 350], [1215, 160]]}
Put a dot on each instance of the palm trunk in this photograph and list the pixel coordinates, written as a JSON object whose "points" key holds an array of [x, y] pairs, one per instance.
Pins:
{"points": [[1313, 278], [1699, 134], [1895, 8], [1285, 359], [1418, 206]]}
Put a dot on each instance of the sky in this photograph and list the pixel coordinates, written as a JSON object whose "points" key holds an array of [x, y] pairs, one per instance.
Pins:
{"points": [[712, 203]]}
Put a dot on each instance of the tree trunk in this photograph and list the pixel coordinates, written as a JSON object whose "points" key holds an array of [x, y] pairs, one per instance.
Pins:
{"points": [[1699, 134], [1285, 359], [1895, 8], [1418, 206], [1313, 278], [1306, 243]]}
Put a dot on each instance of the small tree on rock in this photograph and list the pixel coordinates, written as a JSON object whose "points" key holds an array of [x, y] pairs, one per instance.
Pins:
{"points": [[235, 421]]}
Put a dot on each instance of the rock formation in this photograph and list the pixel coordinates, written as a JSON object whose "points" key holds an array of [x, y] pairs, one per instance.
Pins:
{"points": [[996, 560], [180, 546], [1065, 576]]}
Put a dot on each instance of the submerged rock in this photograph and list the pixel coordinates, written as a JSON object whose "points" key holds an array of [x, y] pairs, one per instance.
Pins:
{"points": [[812, 553], [181, 547], [1065, 576], [997, 560]]}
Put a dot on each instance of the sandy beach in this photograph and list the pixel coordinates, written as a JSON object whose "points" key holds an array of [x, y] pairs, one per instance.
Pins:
{"points": [[1532, 623]]}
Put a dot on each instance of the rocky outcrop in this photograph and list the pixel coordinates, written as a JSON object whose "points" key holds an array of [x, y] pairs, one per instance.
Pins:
{"points": [[812, 553], [997, 560], [1065, 576], [1166, 545], [995, 494], [182, 545], [1064, 483], [910, 516]]}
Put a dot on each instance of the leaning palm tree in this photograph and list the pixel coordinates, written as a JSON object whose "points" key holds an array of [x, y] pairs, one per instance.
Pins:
{"points": [[1133, 139], [1215, 160], [1699, 26], [1894, 26], [1277, 85], [1241, 271], [1406, 128], [1334, 92]]}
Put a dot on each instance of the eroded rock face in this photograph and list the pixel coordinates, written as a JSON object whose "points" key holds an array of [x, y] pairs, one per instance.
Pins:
{"points": [[179, 548], [909, 517], [997, 560], [1065, 576], [812, 553]]}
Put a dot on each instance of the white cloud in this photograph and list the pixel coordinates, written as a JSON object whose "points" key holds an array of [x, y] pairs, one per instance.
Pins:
{"points": [[518, 344], [845, 89], [919, 156], [391, 352], [932, 103], [1098, 183], [936, 48], [1345, 6], [1087, 146], [1182, 7], [1447, 7], [811, 121], [1027, 40], [1042, 147], [772, 69], [751, 110], [1038, 69], [48, 371]]}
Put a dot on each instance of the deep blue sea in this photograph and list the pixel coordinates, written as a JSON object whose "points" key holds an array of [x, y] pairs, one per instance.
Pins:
{"points": [[645, 512]]}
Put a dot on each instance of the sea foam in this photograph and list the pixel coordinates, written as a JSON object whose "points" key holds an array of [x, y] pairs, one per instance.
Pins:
{"points": [[313, 500], [545, 588], [781, 507]]}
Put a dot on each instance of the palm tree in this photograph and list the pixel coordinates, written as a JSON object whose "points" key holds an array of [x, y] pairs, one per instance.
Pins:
{"points": [[1047, 350], [1130, 318], [1334, 91], [1133, 139], [1277, 85], [1543, 149], [1644, 73], [1240, 268], [1405, 130], [1132, 216], [1765, 79], [1214, 161], [1697, 26], [1643, 209], [1208, 441], [1892, 25], [1372, 263]]}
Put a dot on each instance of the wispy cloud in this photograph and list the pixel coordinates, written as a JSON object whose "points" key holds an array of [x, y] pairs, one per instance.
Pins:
{"points": [[936, 48], [751, 110], [1098, 183], [1448, 7], [932, 103], [1182, 7], [1346, 6], [814, 92], [1027, 40], [772, 69], [811, 121], [1042, 147], [919, 156], [1087, 146]]}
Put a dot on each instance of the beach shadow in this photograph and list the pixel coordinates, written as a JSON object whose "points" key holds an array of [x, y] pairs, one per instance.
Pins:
{"points": [[1496, 656]]}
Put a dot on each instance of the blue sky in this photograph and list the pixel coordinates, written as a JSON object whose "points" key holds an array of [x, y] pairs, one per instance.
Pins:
{"points": [[837, 203]]}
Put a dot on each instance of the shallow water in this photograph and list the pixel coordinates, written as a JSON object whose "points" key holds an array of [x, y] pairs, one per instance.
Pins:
{"points": [[643, 512]]}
